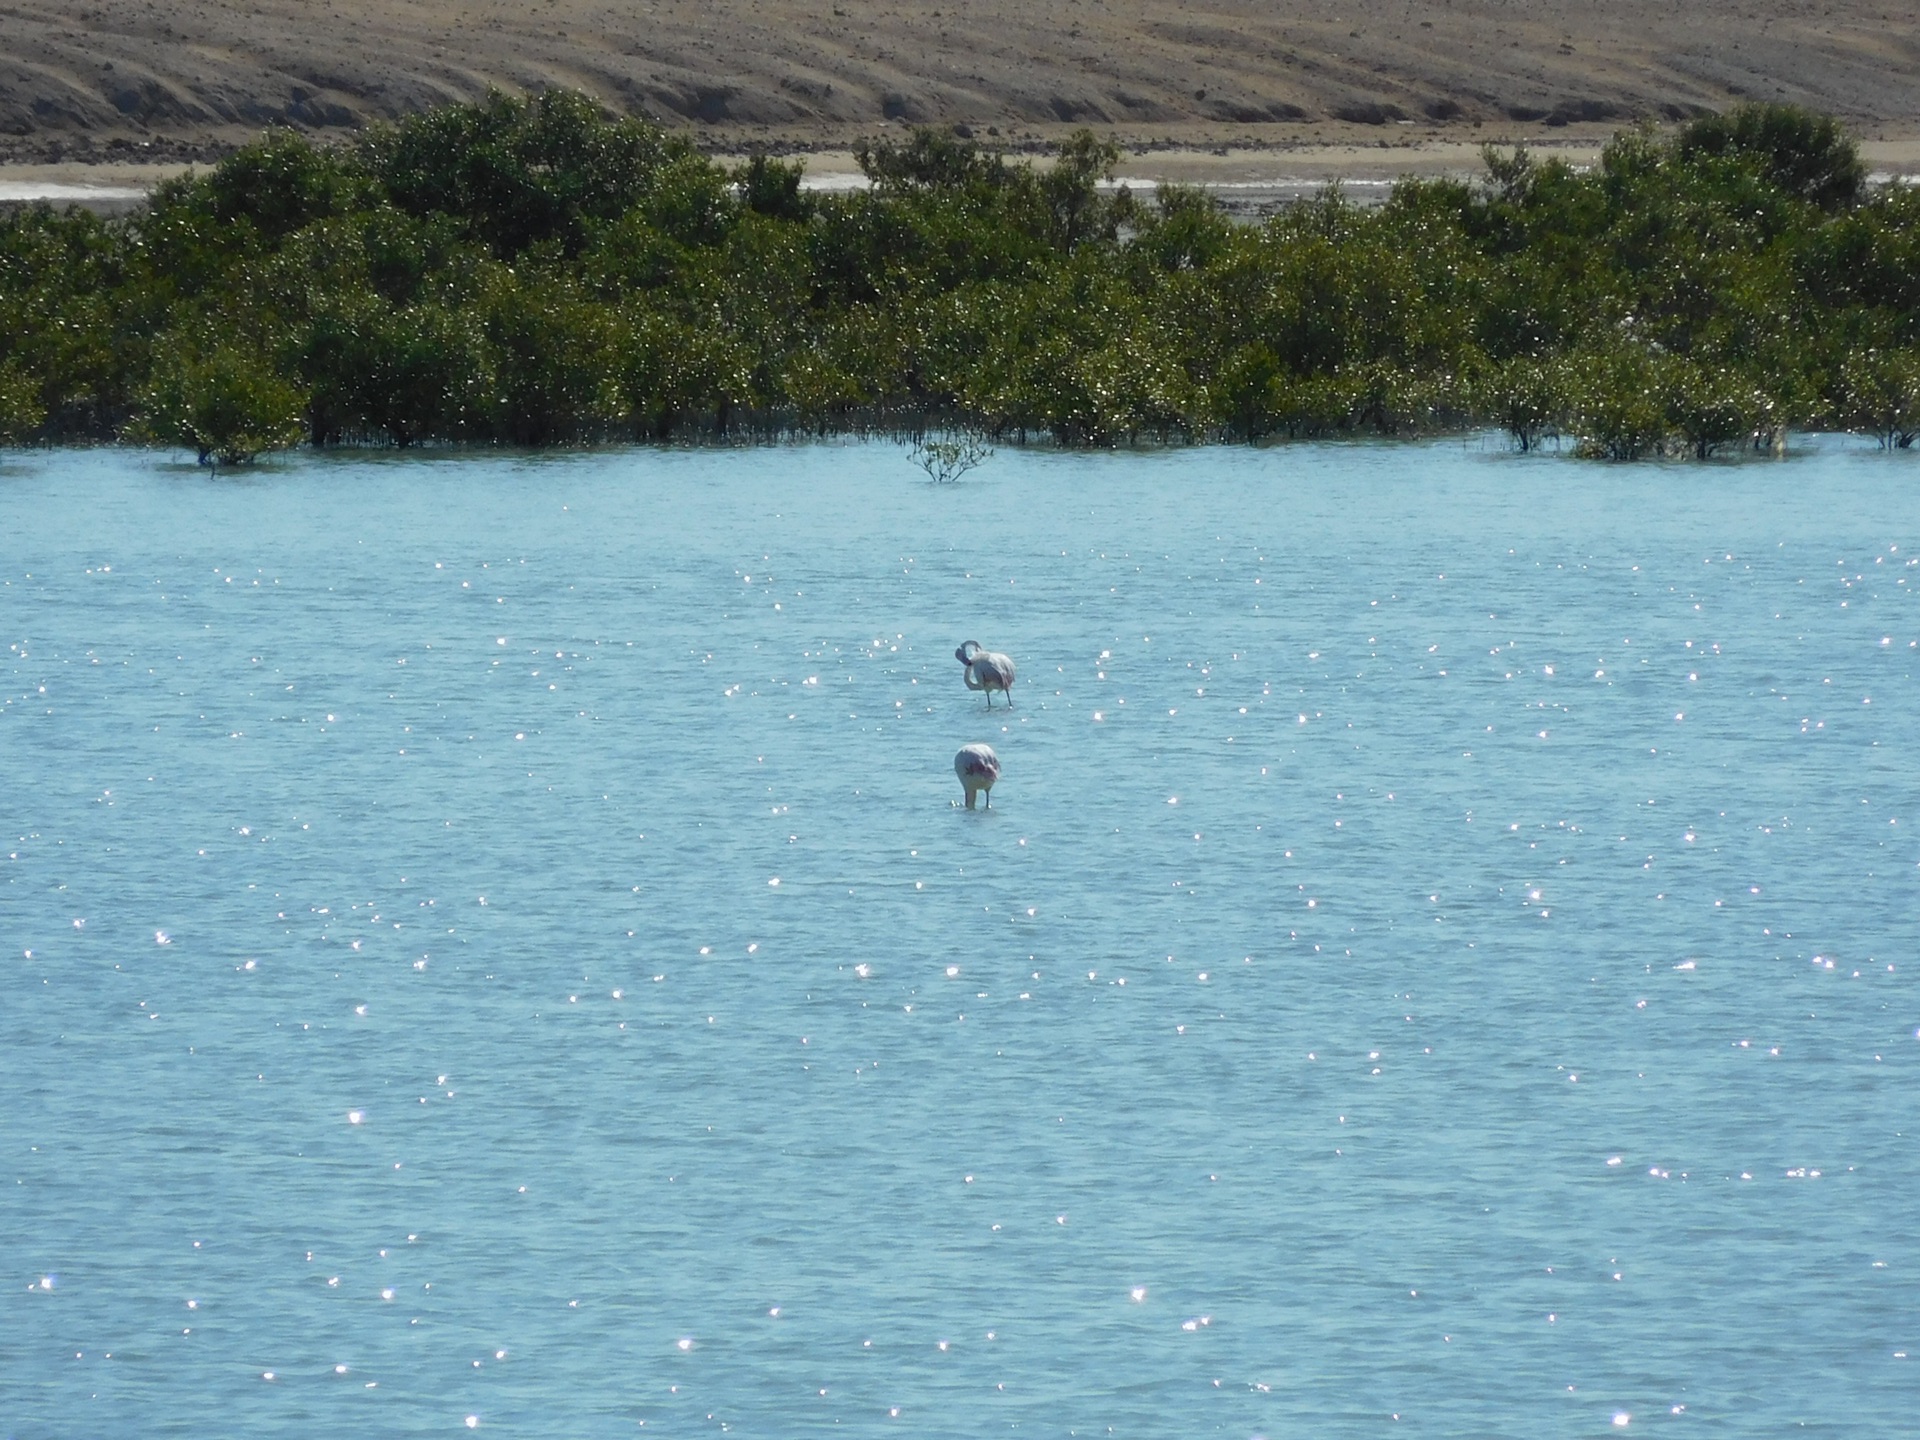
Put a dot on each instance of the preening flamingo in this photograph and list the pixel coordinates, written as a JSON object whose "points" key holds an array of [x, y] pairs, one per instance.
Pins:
{"points": [[986, 670]]}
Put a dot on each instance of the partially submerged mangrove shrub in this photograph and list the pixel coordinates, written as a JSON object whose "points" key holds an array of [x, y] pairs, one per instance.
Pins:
{"points": [[1880, 395], [227, 406], [533, 272], [21, 412], [947, 457]]}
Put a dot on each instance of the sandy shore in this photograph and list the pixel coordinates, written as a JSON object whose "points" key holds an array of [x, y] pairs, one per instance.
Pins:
{"points": [[1246, 180], [1249, 182], [103, 189]]}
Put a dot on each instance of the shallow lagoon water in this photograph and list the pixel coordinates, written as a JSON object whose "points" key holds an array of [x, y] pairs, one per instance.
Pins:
{"points": [[491, 943]]}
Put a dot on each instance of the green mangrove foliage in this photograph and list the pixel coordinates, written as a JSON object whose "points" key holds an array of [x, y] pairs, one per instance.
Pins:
{"points": [[531, 272], [226, 406]]}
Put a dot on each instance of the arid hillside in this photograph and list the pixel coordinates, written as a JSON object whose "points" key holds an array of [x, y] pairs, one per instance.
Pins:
{"points": [[170, 78]]}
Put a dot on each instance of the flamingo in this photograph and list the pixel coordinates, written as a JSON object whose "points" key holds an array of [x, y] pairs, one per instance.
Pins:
{"points": [[986, 670], [978, 767]]}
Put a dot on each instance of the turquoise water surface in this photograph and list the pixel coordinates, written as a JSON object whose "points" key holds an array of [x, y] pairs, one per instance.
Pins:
{"points": [[491, 943]]}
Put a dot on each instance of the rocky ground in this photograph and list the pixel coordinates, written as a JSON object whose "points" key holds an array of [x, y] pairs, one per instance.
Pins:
{"points": [[87, 81]]}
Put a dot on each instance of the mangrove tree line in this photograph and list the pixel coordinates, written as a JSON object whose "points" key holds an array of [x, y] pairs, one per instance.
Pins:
{"points": [[532, 272]]}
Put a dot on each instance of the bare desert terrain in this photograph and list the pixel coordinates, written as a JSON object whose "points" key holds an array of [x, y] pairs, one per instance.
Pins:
{"points": [[169, 80]]}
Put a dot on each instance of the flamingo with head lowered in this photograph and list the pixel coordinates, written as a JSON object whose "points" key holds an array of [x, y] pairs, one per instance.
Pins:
{"points": [[978, 767], [986, 670]]}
